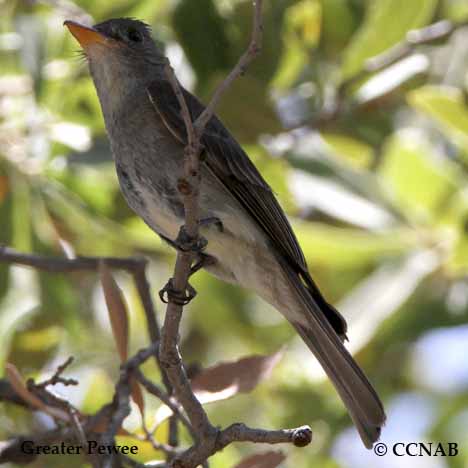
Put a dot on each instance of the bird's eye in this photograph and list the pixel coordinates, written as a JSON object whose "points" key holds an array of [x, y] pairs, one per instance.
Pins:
{"points": [[134, 35]]}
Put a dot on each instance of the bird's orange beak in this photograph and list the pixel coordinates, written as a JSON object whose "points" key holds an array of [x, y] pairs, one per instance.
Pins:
{"points": [[84, 35]]}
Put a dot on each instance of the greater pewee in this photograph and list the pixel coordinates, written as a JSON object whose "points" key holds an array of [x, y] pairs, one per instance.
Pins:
{"points": [[251, 242]]}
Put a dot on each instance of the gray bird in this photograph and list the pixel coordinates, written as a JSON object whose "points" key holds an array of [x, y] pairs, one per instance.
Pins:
{"points": [[251, 242]]}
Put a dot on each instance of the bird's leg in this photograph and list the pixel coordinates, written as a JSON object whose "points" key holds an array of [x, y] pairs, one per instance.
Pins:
{"points": [[186, 243]]}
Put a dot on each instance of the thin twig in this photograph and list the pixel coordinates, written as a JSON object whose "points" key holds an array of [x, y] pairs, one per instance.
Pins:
{"points": [[57, 376], [81, 436], [166, 399], [168, 450], [249, 55]]}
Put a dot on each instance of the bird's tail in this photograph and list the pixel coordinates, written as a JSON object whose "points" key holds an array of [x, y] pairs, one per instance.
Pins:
{"points": [[361, 400]]}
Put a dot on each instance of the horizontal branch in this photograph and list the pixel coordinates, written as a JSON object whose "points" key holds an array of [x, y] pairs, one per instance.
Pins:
{"points": [[300, 437], [66, 265], [136, 266]]}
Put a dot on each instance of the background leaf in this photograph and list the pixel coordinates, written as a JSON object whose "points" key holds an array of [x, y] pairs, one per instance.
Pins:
{"points": [[383, 28]]}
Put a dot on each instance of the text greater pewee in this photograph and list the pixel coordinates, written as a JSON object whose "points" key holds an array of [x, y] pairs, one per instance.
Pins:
{"points": [[251, 243]]}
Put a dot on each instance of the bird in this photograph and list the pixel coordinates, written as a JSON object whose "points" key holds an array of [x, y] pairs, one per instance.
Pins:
{"points": [[250, 241]]}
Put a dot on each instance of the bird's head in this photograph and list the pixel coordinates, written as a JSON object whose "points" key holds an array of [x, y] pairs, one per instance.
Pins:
{"points": [[121, 55]]}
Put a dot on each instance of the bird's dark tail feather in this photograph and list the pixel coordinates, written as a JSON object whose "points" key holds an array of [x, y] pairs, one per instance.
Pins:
{"points": [[361, 400]]}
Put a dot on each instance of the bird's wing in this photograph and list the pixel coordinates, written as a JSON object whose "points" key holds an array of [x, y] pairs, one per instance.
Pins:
{"points": [[231, 165]]}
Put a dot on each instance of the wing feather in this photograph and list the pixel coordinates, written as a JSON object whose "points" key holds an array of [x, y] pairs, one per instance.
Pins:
{"points": [[226, 159]]}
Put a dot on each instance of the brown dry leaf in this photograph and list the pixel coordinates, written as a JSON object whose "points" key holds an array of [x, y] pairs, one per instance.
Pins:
{"points": [[17, 382], [102, 424], [119, 322], [117, 310], [269, 459], [224, 380], [137, 396]]}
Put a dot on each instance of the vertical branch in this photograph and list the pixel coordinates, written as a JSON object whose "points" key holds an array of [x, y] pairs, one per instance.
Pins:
{"points": [[189, 188]]}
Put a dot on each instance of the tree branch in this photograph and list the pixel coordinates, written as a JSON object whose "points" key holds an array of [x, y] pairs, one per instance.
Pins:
{"points": [[189, 188], [238, 432], [68, 265]]}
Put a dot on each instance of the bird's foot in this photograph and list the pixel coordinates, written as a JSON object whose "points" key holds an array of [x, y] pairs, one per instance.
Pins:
{"points": [[186, 243], [211, 220], [181, 298]]}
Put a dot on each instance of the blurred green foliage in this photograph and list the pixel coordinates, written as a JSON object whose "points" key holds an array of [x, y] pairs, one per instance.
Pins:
{"points": [[374, 179]]}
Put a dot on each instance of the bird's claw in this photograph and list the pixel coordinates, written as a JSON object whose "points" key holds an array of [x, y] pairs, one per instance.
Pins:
{"points": [[169, 294], [187, 243]]}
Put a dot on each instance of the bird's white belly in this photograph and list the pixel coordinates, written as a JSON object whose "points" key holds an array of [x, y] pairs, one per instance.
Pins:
{"points": [[160, 217]]}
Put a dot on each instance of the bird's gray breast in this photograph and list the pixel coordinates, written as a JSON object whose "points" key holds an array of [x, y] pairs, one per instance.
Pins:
{"points": [[148, 163]]}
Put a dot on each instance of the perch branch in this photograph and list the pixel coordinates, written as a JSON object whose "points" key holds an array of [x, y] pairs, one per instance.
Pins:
{"points": [[169, 354]]}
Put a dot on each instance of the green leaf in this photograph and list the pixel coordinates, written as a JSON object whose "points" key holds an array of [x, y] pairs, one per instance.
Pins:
{"points": [[341, 248], [305, 17], [418, 180], [455, 10], [357, 154], [242, 96], [338, 23], [21, 221], [386, 24], [455, 224], [202, 34], [145, 452], [39, 339], [18, 306], [446, 105], [98, 392], [301, 30]]}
